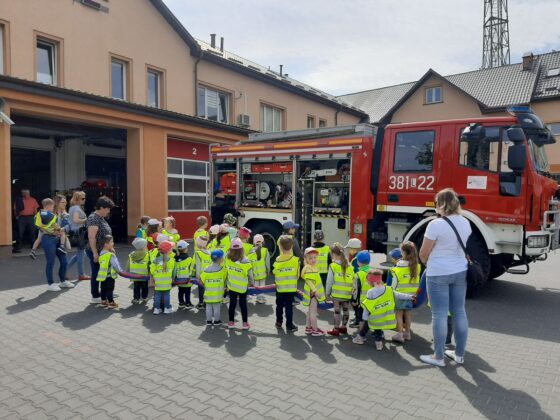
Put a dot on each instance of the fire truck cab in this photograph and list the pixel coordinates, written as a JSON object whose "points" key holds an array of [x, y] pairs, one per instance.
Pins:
{"points": [[379, 184]]}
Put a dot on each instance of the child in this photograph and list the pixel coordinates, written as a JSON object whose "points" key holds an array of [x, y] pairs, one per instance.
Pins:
{"points": [[109, 268], [244, 235], [340, 281], [354, 246], [323, 256], [212, 234], [202, 259], [162, 271], [202, 223], [260, 260], [183, 268], [379, 309], [313, 291], [142, 227], [159, 238], [231, 221], [286, 275], [222, 240], [46, 222], [214, 279], [138, 263], [169, 229], [405, 278], [239, 276], [153, 229], [361, 285], [290, 228]]}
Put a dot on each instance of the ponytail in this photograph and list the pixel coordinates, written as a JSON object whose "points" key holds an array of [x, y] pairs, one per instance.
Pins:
{"points": [[258, 251], [338, 251], [410, 254]]}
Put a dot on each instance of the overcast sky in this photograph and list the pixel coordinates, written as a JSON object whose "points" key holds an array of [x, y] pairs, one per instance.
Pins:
{"points": [[344, 46]]}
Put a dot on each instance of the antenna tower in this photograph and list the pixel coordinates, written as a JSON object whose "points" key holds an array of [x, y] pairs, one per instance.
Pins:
{"points": [[495, 44]]}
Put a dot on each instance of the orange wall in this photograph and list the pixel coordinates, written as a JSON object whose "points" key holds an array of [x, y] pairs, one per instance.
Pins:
{"points": [[549, 112], [5, 187]]}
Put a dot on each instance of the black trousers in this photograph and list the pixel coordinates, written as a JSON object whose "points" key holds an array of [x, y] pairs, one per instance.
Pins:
{"points": [[233, 296], [107, 288], [377, 334], [284, 303], [141, 290], [26, 224], [184, 294]]}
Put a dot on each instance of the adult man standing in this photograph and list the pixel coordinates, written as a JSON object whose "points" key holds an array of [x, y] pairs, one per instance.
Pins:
{"points": [[25, 209]]}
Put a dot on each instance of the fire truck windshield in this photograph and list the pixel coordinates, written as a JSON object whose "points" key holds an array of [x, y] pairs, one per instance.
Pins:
{"points": [[539, 157]]}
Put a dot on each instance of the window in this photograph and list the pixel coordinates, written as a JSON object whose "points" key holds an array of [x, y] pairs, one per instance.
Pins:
{"points": [[154, 88], [271, 118], [554, 128], [481, 154], [310, 122], [414, 151], [118, 79], [433, 95], [188, 183], [553, 72], [46, 62], [213, 105], [322, 123]]}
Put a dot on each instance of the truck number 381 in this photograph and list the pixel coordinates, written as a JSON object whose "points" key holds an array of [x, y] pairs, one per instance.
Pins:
{"points": [[406, 182]]}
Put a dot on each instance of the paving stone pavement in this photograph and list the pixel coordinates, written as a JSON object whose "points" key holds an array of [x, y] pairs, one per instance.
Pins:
{"points": [[63, 358]]}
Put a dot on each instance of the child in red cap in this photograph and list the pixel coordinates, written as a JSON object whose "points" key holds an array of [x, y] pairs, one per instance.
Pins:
{"points": [[162, 272]]}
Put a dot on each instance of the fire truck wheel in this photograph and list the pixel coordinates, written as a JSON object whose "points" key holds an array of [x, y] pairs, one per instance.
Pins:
{"points": [[478, 252], [271, 231]]}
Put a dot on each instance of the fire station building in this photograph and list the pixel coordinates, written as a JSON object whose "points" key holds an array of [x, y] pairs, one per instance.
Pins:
{"points": [[118, 98]]}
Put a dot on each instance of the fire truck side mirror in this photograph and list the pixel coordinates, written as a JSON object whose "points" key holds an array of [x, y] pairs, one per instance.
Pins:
{"points": [[517, 157], [515, 134]]}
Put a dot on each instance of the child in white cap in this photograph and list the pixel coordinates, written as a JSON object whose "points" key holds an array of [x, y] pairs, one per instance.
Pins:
{"points": [[212, 234], [239, 277], [183, 271], [202, 260], [138, 263], [260, 260]]}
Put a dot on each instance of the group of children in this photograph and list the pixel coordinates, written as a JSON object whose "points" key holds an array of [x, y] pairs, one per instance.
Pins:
{"points": [[225, 264]]}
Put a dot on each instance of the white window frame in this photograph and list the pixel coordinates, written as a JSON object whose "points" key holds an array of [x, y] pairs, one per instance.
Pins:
{"points": [[310, 119], [269, 108], [554, 128], [218, 93], [184, 176], [124, 65], [54, 53], [158, 88], [430, 95]]}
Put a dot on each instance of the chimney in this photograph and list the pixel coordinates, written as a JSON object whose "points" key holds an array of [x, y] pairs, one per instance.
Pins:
{"points": [[213, 40], [222, 44], [528, 59], [281, 66]]}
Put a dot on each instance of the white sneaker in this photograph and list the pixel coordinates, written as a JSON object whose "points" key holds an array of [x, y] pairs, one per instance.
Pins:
{"points": [[95, 300], [261, 299], [53, 288], [66, 284], [451, 354], [358, 340], [168, 310], [398, 337], [157, 311], [429, 359]]}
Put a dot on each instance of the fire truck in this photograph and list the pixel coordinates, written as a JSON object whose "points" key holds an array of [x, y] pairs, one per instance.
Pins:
{"points": [[378, 183]]}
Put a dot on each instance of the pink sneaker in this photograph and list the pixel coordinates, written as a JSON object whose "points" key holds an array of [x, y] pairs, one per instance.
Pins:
{"points": [[231, 325], [308, 330], [246, 326], [318, 333], [407, 335]]}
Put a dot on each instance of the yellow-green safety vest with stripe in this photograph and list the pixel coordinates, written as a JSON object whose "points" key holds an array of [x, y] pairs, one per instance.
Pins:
{"points": [[214, 285], [105, 267], [364, 285], [406, 284], [343, 283], [197, 234], [173, 237], [323, 259], [381, 311], [247, 247], [259, 266], [205, 260], [139, 267], [237, 275], [224, 244], [154, 253], [286, 275], [163, 279], [315, 280], [183, 271], [39, 222]]}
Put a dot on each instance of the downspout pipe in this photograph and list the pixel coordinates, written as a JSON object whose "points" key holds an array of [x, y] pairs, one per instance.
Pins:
{"points": [[198, 58], [336, 116]]}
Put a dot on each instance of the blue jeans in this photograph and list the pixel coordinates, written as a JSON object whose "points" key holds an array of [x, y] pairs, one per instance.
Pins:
{"points": [[77, 258], [447, 294], [50, 244], [164, 295], [94, 284]]}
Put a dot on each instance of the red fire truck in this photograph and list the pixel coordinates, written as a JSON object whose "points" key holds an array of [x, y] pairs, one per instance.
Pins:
{"points": [[378, 184]]}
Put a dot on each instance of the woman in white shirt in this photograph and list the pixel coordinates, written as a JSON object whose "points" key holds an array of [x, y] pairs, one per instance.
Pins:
{"points": [[446, 275]]}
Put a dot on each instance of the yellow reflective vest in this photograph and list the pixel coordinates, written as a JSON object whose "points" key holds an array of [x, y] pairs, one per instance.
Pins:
{"points": [[237, 275], [224, 244], [381, 311], [259, 266], [183, 271], [343, 283], [163, 279], [173, 237], [364, 285], [214, 285], [406, 284], [316, 287], [39, 222], [139, 267], [203, 260], [197, 234], [323, 259], [105, 267], [286, 274]]}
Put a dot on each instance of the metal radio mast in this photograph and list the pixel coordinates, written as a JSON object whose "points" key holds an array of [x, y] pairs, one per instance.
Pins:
{"points": [[495, 44]]}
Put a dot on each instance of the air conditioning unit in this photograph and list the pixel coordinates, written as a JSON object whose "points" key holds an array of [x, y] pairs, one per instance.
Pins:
{"points": [[244, 120]]}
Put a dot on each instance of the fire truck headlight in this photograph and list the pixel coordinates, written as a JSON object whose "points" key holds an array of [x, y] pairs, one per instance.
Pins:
{"points": [[540, 241], [358, 228]]}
